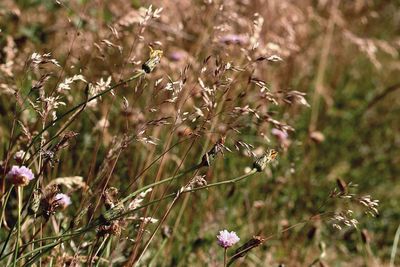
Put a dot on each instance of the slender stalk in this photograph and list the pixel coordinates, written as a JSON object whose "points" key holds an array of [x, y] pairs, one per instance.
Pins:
{"points": [[155, 257], [19, 193], [107, 249], [23, 247], [41, 250], [91, 251], [225, 256], [144, 188], [322, 66], [98, 250], [78, 232], [394, 247], [3, 208]]}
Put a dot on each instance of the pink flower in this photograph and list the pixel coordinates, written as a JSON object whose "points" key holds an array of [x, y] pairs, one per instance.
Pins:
{"points": [[233, 39], [281, 135], [20, 176], [227, 239], [177, 56], [63, 200]]}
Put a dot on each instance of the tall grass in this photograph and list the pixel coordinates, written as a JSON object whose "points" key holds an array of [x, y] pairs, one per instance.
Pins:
{"points": [[133, 132]]}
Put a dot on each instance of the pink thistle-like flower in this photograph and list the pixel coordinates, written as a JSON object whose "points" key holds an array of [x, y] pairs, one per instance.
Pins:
{"points": [[281, 135], [20, 176], [62, 200], [227, 239]]}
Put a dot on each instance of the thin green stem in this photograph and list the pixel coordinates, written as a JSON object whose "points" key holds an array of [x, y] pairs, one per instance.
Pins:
{"points": [[40, 251], [234, 180], [155, 257], [394, 247], [91, 251], [225, 256], [134, 194], [64, 235], [3, 208], [108, 245], [98, 250], [19, 193]]}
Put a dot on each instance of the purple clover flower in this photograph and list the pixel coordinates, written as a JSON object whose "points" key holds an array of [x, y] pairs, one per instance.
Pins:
{"points": [[20, 176], [227, 239], [63, 200]]}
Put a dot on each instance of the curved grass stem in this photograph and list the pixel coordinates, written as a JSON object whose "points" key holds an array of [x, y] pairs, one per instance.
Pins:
{"points": [[3, 208], [134, 194], [394, 247]]}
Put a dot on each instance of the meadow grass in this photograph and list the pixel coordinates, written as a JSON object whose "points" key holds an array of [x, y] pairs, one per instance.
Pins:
{"points": [[199, 133]]}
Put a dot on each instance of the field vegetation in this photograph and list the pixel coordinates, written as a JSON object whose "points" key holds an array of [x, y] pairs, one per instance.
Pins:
{"points": [[199, 133]]}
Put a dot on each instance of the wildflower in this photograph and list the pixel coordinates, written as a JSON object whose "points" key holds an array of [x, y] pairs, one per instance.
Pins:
{"points": [[280, 135], [227, 239], [177, 56], [233, 39], [20, 176], [62, 200]]}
